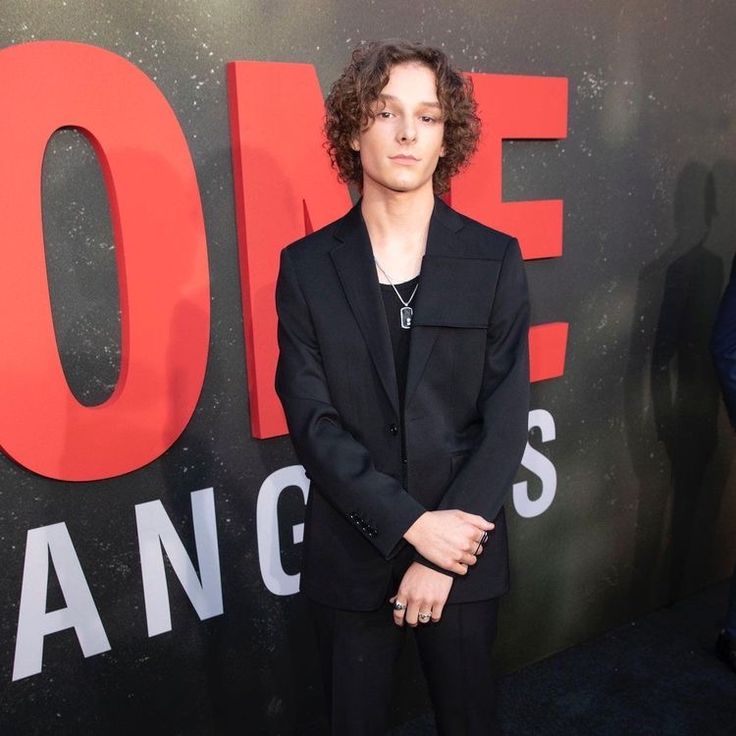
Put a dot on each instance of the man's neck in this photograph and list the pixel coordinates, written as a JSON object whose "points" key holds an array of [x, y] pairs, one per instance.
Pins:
{"points": [[397, 220]]}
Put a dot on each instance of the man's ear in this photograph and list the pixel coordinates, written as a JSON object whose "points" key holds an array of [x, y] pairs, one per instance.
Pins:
{"points": [[355, 144]]}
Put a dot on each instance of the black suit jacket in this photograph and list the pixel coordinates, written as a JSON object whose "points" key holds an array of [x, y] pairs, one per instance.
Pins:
{"points": [[723, 345], [466, 402]]}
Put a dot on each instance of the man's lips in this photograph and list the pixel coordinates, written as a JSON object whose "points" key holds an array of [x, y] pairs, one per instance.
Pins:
{"points": [[404, 158]]}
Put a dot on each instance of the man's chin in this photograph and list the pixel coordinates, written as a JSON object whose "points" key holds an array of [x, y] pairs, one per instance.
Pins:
{"points": [[403, 186]]}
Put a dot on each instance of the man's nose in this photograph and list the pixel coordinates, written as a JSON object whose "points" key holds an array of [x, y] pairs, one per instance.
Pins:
{"points": [[407, 131]]}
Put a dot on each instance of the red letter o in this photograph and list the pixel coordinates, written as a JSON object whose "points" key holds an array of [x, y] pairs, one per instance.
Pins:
{"points": [[161, 255]]}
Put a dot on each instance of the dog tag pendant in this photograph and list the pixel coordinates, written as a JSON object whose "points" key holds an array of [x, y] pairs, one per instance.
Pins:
{"points": [[406, 313]]}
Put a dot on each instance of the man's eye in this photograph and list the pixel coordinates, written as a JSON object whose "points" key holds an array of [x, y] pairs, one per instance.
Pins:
{"points": [[428, 119], [384, 114]]}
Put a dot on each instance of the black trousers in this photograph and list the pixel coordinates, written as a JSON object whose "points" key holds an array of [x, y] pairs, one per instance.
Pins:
{"points": [[359, 651]]}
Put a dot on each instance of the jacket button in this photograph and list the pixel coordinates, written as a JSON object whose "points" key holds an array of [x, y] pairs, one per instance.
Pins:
{"points": [[393, 429]]}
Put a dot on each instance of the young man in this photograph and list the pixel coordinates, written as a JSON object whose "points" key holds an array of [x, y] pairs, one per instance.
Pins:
{"points": [[403, 372]]}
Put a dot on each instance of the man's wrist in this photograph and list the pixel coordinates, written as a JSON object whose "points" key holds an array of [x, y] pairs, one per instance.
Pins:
{"points": [[410, 535], [424, 561]]}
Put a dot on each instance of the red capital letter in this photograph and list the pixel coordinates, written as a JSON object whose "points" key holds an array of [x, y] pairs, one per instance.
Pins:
{"points": [[284, 189], [518, 107], [161, 256]]}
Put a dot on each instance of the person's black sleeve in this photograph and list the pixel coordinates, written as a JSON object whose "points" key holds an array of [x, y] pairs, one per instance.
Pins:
{"points": [[723, 346], [335, 461]]}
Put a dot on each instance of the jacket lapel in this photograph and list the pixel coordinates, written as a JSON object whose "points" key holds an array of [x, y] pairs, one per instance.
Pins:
{"points": [[353, 259], [439, 286]]}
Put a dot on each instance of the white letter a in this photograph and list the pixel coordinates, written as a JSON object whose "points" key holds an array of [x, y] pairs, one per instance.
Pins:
{"points": [[34, 622]]}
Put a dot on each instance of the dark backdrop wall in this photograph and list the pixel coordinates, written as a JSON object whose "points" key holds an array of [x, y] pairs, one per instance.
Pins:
{"points": [[644, 510]]}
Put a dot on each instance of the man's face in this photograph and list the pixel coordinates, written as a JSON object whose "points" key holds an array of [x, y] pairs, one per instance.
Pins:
{"points": [[401, 146]]}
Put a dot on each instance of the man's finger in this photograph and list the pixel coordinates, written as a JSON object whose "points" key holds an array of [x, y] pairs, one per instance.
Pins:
{"points": [[478, 521], [437, 609], [399, 613], [473, 535], [412, 611], [467, 559]]}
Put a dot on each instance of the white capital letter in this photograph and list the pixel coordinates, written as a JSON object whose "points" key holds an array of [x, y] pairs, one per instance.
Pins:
{"points": [[155, 531], [275, 578], [541, 466], [34, 622]]}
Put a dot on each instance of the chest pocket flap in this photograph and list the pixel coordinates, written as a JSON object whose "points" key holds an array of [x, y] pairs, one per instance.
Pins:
{"points": [[456, 292]]}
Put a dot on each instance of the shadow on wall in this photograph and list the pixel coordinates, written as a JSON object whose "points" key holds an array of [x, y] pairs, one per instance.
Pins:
{"points": [[680, 497]]}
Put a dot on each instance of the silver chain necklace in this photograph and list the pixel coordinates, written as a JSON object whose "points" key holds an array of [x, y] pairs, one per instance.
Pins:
{"points": [[406, 311]]}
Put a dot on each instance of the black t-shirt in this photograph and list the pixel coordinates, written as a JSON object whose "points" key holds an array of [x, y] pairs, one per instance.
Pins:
{"points": [[399, 334]]}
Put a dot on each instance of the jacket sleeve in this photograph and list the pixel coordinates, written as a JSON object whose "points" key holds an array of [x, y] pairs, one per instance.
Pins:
{"points": [[483, 482], [723, 345], [374, 502]]}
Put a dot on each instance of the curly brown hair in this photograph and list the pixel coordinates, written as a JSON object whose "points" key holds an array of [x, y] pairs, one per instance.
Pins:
{"points": [[348, 108]]}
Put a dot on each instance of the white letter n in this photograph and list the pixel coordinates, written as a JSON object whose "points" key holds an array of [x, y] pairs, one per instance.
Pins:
{"points": [[155, 531]]}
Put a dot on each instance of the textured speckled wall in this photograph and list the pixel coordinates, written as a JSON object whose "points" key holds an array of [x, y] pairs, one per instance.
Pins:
{"points": [[645, 509]]}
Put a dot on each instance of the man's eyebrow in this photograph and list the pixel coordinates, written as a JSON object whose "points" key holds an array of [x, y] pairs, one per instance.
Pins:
{"points": [[391, 98]]}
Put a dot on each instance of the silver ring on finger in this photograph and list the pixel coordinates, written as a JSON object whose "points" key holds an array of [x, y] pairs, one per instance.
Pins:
{"points": [[424, 617], [482, 541], [399, 606]]}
